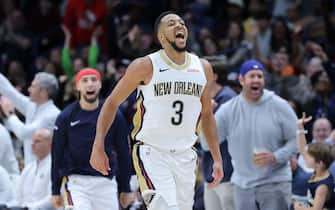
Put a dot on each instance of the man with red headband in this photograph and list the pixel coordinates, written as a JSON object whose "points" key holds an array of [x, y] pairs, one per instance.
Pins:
{"points": [[84, 187]]}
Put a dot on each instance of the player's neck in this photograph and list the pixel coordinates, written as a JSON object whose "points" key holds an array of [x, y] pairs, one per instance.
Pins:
{"points": [[175, 56], [89, 106]]}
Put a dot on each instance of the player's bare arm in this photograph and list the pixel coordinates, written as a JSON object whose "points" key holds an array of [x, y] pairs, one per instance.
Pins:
{"points": [[138, 72], [209, 126]]}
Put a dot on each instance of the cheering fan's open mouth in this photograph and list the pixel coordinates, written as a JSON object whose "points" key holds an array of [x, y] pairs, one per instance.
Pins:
{"points": [[255, 88]]}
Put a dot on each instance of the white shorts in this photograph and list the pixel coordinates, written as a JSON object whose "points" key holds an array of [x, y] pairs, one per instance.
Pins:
{"points": [[169, 174], [83, 192]]}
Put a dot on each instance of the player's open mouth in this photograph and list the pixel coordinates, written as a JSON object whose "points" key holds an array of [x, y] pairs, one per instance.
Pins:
{"points": [[90, 93], [180, 35]]}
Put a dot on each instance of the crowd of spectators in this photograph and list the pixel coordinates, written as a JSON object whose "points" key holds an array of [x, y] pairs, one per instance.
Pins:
{"points": [[295, 41]]}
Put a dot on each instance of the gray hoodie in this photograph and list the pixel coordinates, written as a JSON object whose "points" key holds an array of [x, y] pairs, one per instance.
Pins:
{"points": [[269, 124]]}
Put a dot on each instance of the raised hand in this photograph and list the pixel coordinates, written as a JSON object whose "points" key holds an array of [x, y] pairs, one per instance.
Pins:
{"points": [[97, 31], [7, 106], [67, 34], [301, 139], [303, 120]]}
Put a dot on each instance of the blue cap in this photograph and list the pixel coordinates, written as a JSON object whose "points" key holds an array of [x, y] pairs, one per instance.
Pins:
{"points": [[251, 65]]}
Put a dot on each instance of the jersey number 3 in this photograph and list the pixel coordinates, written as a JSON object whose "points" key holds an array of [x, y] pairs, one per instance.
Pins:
{"points": [[179, 107]]}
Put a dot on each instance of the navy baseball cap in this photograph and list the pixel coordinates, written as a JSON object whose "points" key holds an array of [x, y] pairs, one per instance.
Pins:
{"points": [[251, 65]]}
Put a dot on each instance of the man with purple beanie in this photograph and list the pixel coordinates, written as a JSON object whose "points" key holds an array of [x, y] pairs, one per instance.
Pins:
{"points": [[260, 128]]}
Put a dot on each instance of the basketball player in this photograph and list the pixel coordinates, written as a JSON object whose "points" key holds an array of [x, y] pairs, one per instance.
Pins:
{"points": [[172, 98], [85, 188]]}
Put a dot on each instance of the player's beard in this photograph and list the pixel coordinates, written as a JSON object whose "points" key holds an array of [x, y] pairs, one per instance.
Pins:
{"points": [[90, 100], [175, 47]]}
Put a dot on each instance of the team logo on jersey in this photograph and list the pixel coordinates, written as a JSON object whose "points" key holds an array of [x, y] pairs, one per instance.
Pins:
{"points": [[162, 70], [74, 123], [193, 70]]}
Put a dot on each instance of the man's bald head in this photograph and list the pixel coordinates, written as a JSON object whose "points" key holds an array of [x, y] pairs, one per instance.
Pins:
{"points": [[321, 129], [41, 144]]}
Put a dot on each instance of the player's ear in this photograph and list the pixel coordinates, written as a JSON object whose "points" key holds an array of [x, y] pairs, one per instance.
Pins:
{"points": [[160, 36], [77, 86]]}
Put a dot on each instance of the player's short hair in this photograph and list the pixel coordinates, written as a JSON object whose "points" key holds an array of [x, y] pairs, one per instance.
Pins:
{"points": [[160, 17]]}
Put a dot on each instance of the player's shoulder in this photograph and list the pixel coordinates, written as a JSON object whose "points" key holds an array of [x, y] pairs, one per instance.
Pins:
{"points": [[140, 67], [206, 66], [66, 112], [204, 62], [143, 62]]}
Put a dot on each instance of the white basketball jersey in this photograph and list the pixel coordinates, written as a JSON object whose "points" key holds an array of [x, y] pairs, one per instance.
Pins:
{"points": [[169, 106]]}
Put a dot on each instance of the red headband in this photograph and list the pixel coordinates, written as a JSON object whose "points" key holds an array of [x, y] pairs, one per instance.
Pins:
{"points": [[87, 71]]}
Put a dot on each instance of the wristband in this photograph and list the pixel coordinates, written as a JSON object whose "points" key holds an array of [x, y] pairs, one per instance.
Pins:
{"points": [[301, 131]]}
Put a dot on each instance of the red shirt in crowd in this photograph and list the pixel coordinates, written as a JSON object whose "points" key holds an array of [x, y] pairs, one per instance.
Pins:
{"points": [[81, 18]]}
